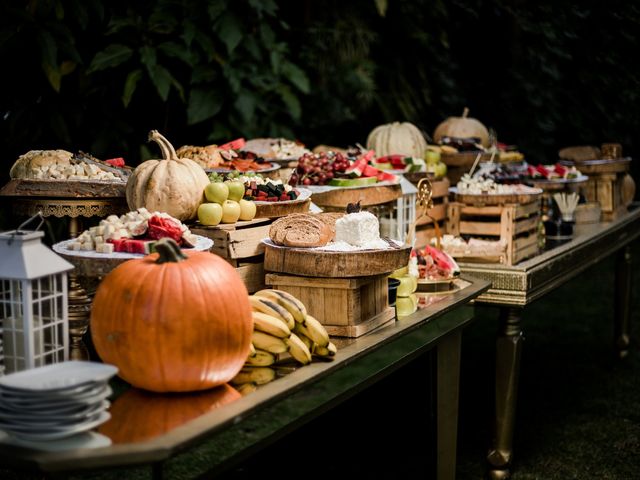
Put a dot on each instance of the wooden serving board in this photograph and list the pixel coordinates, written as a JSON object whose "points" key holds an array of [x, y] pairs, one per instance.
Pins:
{"points": [[63, 189], [277, 209], [496, 199], [339, 197], [618, 165], [317, 263], [556, 184]]}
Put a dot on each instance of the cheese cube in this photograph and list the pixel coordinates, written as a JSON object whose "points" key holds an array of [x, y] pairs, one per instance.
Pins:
{"points": [[104, 248]]}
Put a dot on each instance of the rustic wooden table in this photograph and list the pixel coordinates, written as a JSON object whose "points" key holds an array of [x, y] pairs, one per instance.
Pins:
{"points": [[515, 287], [220, 438]]}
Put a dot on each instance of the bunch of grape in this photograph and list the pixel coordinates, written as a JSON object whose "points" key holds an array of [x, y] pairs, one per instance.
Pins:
{"points": [[318, 168]]}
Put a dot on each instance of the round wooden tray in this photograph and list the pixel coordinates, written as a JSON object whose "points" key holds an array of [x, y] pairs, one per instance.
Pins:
{"points": [[556, 184], [617, 165], [317, 263], [340, 197], [465, 159], [281, 209], [497, 199]]}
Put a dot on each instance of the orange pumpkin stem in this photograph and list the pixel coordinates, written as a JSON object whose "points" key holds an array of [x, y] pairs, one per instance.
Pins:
{"points": [[169, 251], [167, 150], [465, 112]]}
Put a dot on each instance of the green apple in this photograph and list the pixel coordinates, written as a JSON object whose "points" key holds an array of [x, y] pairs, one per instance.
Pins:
{"points": [[432, 157], [216, 192], [236, 189], [230, 211], [247, 209], [406, 305], [440, 170], [210, 213], [408, 285]]}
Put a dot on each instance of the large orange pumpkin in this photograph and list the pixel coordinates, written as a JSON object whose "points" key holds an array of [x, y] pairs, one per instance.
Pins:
{"points": [[173, 321], [137, 415]]}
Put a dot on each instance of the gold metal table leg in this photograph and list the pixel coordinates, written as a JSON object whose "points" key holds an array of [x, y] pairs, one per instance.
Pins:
{"points": [[622, 314], [508, 351]]}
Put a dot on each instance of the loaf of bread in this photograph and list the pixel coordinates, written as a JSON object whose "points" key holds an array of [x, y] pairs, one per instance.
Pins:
{"points": [[32, 164], [206, 157], [301, 230]]}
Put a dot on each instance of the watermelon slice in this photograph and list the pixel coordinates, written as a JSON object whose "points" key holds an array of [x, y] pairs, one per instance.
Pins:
{"points": [[386, 177], [443, 261], [356, 169], [236, 144], [370, 171]]}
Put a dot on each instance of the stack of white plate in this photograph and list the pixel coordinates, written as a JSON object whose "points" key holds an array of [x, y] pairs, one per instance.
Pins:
{"points": [[55, 401]]}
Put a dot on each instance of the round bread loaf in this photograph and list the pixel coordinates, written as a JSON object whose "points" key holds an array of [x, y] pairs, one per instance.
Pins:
{"points": [[300, 230], [31, 163]]}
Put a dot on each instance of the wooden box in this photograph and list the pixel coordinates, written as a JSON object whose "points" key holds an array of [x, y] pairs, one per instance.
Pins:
{"points": [[347, 307], [516, 225], [607, 189], [241, 245]]}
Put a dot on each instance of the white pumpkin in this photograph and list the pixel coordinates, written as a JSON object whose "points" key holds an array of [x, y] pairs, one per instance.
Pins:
{"points": [[397, 138], [462, 127], [172, 185]]}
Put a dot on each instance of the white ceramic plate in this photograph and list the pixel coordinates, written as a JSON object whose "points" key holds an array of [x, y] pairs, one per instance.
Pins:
{"points": [[59, 376], [61, 393], [48, 405], [73, 442], [62, 433], [7, 416], [304, 194]]}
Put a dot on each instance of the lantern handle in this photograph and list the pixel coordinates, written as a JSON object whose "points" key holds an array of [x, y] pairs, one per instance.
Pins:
{"points": [[19, 231]]}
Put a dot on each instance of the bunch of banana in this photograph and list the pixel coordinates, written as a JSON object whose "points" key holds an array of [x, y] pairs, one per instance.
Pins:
{"points": [[281, 326]]}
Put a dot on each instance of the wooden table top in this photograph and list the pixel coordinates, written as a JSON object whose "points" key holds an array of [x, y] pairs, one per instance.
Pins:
{"points": [[359, 362]]}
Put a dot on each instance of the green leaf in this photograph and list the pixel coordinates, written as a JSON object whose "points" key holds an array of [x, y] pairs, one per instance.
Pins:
{"points": [[296, 76], [267, 6], [229, 30], [267, 36], [381, 6], [189, 32], [130, 85], [110, 57], [175, 50], [53, 75], [118, 24], [203, 104], [48, 48], [216, 9], [148, 58], [290, 101], [202, 74], [246, 105], [161, 79], [251, 45], [276, 61]]}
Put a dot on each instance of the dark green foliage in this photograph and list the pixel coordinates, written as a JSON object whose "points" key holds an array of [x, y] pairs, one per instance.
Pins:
{"points": [[98, 76]]}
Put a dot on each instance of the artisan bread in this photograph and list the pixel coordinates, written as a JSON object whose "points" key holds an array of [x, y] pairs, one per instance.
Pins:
{"points": [[300, 230], [31, 164], [206, 157]]}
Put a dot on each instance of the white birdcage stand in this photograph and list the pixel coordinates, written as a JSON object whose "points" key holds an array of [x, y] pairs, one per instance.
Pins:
{"points": [[395, 222], [33, 302]]}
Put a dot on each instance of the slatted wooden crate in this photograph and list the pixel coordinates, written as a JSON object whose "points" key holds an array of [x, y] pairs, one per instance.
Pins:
{"points": [[608, 190], [241, 245], [516, 225], [347, 307]]}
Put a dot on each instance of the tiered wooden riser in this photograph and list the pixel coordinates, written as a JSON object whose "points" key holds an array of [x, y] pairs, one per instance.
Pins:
{"points": [[516, 225], [347, 307], [425, 230], [241, 245]]}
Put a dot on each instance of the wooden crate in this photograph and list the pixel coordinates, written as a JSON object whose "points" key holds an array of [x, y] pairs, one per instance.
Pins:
{"points": [[347, 307], [516, 225], [608, 190], [241, 245]]}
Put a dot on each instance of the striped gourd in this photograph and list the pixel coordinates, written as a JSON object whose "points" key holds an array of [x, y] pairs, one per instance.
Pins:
{"points": [[397, 139]]}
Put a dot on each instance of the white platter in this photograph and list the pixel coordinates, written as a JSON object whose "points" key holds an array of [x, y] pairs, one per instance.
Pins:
{"points": [[59, 376], [70, 404], [62, 433], [96, 391]]}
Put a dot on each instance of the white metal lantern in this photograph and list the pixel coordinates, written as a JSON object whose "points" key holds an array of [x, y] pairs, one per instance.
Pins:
{"points": [[33, 302]]}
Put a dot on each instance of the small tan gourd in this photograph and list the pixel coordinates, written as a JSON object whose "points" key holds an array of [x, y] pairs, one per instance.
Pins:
{"points": [[172, 185], [462, 127]]}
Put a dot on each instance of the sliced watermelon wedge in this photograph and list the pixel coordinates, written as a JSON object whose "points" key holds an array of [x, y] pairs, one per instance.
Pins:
{"points": [[356, 169], [443, 261], [386, 177], [236, 144]]}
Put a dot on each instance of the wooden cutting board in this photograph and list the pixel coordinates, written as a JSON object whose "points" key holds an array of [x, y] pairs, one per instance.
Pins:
{"points": [[318, 263], [339, 197]]}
